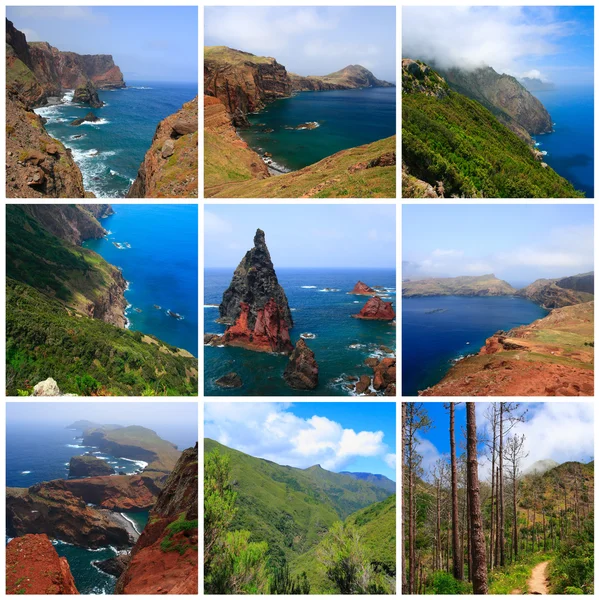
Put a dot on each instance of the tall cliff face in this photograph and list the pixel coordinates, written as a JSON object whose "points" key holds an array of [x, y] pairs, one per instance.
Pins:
{"points": [[557, 293], [170, 167], [505, 97], [34, 567], [165, 558], [255, 304], [243, 82], [350, 77]]}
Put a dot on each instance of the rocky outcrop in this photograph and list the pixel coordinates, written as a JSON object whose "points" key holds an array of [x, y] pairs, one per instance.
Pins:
{"points": [[556, 293], [301, 372], [89, 118], [165, 558], [170, 167], [376, 310], [113, 566], [88, 465], [419, 78], [475, 285], [48, 387], [361, 289], [243, 82], [382, 382], [228, 381], [87, 94], [59, 514], [34, 567], [350, 77], [505, 97], [255, 304]]}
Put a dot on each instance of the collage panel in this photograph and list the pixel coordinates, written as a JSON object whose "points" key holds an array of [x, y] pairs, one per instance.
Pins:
{"points": [[102, 102], [101, 498], [508, 112], [102, 299], [300, 498], [498, 497], [498, 300], [305, 107], [310, 308]]}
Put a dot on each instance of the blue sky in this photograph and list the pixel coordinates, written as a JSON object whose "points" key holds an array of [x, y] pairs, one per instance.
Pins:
{"points": [[552, 43], [148, 43], [340, 436], [552, 430], [309, 40], [174, 421], [302, 235], [518, 243]]}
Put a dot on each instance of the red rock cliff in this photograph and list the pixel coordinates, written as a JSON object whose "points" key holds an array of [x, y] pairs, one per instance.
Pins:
{"points": [[34, 567]]}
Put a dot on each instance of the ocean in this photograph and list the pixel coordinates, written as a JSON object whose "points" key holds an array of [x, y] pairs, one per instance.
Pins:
{"points": [[161, 266], [346, 118], [341, 343], [570, 148], [111, 151], [432, 341]]}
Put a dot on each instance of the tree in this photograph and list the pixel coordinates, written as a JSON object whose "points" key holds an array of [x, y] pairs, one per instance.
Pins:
{"points": [[416, 420], [479, 560], [283, 583], [404, 581], [458, 572], [514, 449]]}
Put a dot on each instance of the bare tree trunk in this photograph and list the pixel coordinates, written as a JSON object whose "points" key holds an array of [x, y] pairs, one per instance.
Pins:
{"points": [[404, 581], [438, 552], [458, 573], [501, 504], [479, 560]]}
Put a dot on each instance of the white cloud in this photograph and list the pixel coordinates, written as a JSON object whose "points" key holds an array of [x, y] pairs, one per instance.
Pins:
{"points": [[471, 37], [430, 454], [215, 225], [391, 460], [63, 13], [271, 431]]}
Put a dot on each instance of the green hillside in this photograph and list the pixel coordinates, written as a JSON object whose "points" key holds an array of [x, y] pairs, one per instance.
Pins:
{"points": [[376, 528], [86, 356], [291, 509], [450, 139]]}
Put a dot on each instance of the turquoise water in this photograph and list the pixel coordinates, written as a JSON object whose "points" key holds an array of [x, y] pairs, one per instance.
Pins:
{"points": [[432, 341], [346, 118], [161, 267], [325, 314], [570, 148], [111, 151]]}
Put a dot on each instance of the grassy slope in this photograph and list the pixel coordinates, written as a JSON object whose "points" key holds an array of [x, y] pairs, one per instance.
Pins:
{"points": [[45, 339], [230, 56], [457, 286], [291, 508], [457, 141], [376, 526], [328, 178]]}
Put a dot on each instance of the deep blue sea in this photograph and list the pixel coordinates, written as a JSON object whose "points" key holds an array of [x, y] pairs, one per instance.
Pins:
{"points": [[161, 266], [432, 341], [346, 118], [111, 151], [570, 148], [36, 452], [341, 343]]}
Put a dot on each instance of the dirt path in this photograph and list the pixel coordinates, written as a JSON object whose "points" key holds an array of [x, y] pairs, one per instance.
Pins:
{"points": [[537, 584]]}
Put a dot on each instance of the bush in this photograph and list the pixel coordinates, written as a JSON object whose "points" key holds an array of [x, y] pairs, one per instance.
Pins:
{"points": [[446, 583]]}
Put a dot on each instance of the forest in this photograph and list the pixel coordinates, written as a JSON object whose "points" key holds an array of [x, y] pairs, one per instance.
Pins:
{"points": [[480, 519]]}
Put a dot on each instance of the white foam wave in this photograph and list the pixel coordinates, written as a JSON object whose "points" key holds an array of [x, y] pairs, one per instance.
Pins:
{"points": [[308, 287], [25, 472], [75, 446], [132, 522], [139, 463]]}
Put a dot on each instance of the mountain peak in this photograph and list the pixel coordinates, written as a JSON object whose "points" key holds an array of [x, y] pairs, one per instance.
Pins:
{"points": [[541, 466]]}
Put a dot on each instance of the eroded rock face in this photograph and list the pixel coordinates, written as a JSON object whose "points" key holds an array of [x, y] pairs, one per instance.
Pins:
{"points": [[87, 94], [301, 372], [88, 466], [254, 283], [170, 167], [361, 289], [165, 558], [34, 567], [376, 309]]}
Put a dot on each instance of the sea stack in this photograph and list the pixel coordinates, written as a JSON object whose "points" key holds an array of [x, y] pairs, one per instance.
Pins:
{"points": [[301, 372], [255, 305], [89, 466], [376, 310], [361, 289]]}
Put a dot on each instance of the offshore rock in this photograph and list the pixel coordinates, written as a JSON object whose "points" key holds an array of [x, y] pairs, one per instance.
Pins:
{"points": [[255, 284], [34, 567], [113, 566], [87, 94], [361, 289], [377, 310], [88, 465], [301, 372]]}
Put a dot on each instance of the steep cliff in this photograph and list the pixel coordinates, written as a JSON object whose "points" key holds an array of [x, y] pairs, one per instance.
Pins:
{"points": [[243, 82], [170, 167], [350, 77], [556, 293], [88, 465], [454, 146], [165, 558], [34, 567], [553, 356]]}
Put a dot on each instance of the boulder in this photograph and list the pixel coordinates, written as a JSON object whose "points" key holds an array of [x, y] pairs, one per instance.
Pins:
{"points": [[363, 385], [168, 148], [113, 566], [301, 372], [49, 387], [89, 118], [230, 380], [376, 310]]}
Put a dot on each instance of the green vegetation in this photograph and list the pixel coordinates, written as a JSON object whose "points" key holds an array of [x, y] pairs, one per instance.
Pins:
{"points": [[572, 570], [267, 524], [181, 524], [46, 339], [328, 178], [451, 139], [223, 54]]}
